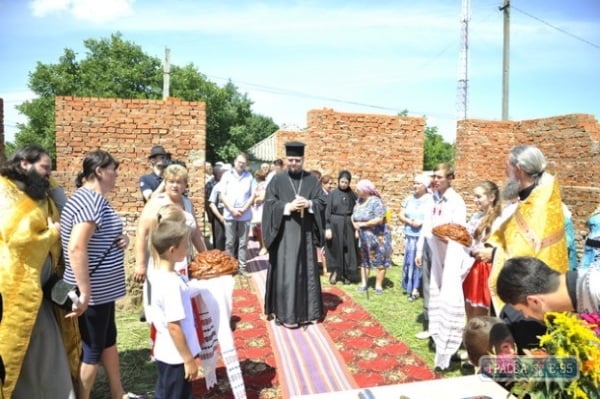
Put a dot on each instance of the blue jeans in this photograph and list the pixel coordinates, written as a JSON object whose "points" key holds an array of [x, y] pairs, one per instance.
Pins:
{"points": [[411, 274]]}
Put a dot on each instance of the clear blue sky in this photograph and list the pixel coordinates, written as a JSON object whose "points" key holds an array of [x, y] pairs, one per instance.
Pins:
{"points": [[370, 56]]}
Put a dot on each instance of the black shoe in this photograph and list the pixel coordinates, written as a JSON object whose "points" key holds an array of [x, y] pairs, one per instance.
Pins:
{"points": [[333, 278], [467, 368]]}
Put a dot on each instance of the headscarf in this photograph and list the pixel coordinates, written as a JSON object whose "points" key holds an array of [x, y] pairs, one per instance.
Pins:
{"points": [[344, 174], [423, 179], [368, 187]]}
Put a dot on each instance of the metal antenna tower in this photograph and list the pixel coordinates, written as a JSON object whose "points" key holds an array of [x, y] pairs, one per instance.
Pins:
{"points": [[462, 95]]}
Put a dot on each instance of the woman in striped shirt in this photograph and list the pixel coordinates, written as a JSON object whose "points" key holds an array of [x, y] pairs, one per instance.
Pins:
{"points": [[94, 249]]}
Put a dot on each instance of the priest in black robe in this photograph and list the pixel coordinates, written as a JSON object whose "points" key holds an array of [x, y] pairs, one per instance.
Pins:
{"points": [[292, 232]]}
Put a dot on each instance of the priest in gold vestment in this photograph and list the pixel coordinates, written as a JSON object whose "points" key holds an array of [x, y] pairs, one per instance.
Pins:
{"points": [[39, 346], [533, 225]]}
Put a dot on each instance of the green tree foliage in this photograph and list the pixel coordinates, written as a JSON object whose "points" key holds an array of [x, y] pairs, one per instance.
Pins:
{"points": [[115, 68], [436, 149]]}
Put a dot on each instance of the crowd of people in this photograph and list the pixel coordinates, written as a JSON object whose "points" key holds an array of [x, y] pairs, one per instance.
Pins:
{"points": [[490, 297], [305, 224]]}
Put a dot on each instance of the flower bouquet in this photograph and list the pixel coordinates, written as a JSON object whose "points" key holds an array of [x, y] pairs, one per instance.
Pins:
{"points": [[568, 336]]}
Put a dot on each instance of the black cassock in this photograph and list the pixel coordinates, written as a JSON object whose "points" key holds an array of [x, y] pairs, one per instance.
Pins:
{"points": [[293, 291], [342, 249]]}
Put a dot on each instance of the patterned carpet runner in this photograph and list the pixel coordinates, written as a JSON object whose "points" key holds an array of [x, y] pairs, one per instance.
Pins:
{"points": [[349, 350], [307, 358]]}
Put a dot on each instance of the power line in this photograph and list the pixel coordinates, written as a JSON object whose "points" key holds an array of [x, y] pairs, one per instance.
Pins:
{"points": [[295, 93], [556, 27]]}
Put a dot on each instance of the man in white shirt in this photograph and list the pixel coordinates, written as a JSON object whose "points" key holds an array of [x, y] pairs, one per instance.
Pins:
{"points": [[237, 187], [442, 289]]}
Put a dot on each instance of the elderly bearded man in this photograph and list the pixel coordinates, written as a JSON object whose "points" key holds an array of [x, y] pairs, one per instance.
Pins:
{"points": [[532, 226], [40, 363]]}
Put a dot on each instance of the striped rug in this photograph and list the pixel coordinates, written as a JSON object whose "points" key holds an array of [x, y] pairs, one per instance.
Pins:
{"points": [[349, 350], [307, 359]]}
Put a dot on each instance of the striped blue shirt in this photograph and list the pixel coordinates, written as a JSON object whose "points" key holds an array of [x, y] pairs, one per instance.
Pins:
{"points": [[108, 278]]}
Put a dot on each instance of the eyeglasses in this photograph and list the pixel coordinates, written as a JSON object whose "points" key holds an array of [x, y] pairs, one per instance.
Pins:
{"points": [[438, 177], [294, 160]]}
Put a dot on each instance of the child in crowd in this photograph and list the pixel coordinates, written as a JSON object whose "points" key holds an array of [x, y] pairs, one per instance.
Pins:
{"points": [[176, 345], [501, 340], [487, 335]]}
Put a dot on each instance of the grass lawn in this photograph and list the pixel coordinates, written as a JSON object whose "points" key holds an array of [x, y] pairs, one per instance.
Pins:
{"points": [[399, 316]]}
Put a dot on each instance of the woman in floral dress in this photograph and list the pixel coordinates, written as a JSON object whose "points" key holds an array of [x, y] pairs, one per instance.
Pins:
{"points": [[375, 240]]}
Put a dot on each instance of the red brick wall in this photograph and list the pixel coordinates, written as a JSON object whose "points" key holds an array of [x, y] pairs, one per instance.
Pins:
{"points": [[388, 150], [128, 129], [569, 142]]}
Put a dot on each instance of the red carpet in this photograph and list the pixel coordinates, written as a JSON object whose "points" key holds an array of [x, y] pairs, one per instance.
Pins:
{"points": [[372, 356]]}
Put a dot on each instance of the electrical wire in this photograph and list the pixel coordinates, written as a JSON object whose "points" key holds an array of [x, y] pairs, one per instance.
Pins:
{"points": [[555, 27]]}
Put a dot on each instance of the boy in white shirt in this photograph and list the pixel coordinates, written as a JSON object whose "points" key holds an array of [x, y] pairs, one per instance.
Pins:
{"points": [[176, 345]]}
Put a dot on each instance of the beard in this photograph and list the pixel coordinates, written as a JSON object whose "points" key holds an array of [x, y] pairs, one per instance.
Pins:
{"points": [[36, 185], [511, 189]]}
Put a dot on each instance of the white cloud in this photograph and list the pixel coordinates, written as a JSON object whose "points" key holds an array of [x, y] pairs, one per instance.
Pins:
{"points": [[85, 10], [41, 8]]}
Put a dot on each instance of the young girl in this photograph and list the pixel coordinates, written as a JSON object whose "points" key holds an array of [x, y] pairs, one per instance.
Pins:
{"points": [[475, 286], [176, 345]]}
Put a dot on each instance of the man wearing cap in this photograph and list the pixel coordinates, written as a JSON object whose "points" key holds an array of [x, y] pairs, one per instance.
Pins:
{"points": [[159, 160], [292, 232]]}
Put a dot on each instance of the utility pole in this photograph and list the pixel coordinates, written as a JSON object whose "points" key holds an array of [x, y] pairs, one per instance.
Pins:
{"points": [[462, 95], [166, 74], [505, 59]]}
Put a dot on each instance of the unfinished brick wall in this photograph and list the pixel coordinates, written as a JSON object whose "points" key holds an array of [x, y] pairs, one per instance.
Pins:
{"points": [[388, 150], [128, 129], [569, 142]]}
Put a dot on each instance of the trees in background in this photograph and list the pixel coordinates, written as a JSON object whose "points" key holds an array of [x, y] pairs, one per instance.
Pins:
{"points": [[115, 68], [436, 150]]}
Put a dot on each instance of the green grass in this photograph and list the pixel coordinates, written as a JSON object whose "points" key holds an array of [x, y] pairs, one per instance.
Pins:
{"points": [[403, 319], [392, 309]]}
